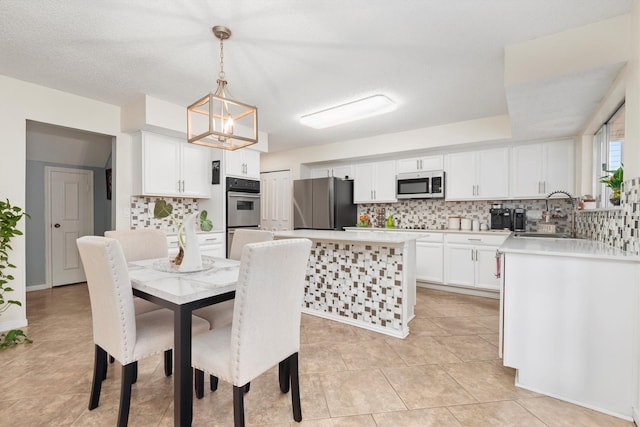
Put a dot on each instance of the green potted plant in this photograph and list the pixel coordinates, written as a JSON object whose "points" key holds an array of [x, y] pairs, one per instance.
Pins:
{"points": [[9, 218], [614, 181], [163, 209]]}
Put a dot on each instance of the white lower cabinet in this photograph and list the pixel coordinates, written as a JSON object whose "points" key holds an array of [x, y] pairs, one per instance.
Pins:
{"points": [[470, 260], [210, 244], [429, 258]]}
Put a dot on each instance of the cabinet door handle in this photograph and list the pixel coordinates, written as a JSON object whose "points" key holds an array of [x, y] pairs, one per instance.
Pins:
{"points": [[472, 255], [475, 240], [371, 194]]}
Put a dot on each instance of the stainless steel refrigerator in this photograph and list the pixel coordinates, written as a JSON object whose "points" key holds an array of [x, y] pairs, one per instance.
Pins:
{"points": [[323, 204]]}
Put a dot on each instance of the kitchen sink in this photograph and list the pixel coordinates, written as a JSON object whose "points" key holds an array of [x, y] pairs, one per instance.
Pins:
{"points": [[544, 235]]}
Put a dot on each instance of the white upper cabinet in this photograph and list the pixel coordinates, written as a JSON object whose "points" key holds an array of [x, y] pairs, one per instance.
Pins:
{"points": [[242, 163], [343, 171], [168, 166], [477, 174], [375, 182], [538, 169], [417, 164]]}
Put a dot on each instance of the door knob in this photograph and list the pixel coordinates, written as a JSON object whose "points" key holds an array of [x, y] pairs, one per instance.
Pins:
{"points": [[56, 225]]}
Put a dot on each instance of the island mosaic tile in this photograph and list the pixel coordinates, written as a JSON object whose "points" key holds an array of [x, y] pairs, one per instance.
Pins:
{"points": [[359, 282], [142, 212]]}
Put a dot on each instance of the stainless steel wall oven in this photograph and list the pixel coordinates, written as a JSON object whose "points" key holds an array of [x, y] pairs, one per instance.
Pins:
{"points": [[243, 206]]}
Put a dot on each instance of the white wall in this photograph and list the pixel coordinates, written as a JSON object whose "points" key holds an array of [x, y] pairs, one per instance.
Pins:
{"points": [[632, 124], [21, 101]]}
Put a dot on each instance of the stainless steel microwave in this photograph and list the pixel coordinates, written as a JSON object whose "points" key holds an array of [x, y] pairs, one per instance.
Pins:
{"points": [[420, 185]]}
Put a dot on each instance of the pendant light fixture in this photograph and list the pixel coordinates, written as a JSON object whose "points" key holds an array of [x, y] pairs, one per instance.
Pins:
{"points": [[218, 121]]}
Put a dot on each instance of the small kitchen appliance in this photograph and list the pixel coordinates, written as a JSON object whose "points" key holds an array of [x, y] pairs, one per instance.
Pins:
{"points": [[501, 219], [519, 219]]}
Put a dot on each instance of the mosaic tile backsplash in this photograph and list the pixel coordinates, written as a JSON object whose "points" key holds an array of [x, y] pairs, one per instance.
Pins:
{"points": [[356, 282], [142, 212], [433, 214], [615, 227]]}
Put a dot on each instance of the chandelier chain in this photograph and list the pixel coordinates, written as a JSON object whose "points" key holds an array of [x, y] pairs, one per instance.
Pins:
{"points": [[221, 73]]}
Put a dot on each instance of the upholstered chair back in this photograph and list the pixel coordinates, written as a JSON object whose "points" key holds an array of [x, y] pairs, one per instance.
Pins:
{"points": [[266, 317], [241, 237], [141, 244], [112, 311]]}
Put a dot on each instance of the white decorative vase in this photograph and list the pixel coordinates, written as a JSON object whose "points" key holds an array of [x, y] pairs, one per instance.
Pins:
{"points": [[191, 260]]}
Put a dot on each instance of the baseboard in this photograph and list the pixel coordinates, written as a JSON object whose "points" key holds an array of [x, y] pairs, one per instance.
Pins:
{"points": [[459, 290], [37, 287], [635, 415], [13, 324]]}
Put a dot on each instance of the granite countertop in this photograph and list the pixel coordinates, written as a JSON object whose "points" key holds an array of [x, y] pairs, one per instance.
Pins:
{"points": [[581, 248], [350, 236], [411, 230]]}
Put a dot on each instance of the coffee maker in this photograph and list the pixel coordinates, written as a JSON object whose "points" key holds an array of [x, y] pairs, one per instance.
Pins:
{"points": [[519, 219], [501, 219]]}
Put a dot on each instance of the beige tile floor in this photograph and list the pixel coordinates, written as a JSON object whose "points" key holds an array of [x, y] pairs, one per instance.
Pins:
{"points": [[446, 373]]}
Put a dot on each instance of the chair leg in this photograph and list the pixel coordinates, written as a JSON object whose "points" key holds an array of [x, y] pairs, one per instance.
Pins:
{"points": [[99, 374], [213, 382], [238, 406], [168, 363], [135, 372], [105, 365], [199, 383], [284, 374], [128, 373], [295, 387]]}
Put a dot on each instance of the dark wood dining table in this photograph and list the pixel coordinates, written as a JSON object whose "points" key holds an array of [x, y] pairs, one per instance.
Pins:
{"points": [[182, 292]]}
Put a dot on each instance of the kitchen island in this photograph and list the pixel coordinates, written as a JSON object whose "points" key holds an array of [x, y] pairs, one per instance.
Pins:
{"points": [[569, 315], [361, 278]]}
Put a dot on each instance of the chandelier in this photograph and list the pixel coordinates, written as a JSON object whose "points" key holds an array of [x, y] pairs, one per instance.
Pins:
{"points": [[218, 121]]}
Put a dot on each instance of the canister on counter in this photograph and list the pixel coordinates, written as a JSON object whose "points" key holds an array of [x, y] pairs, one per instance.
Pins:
{"points": [[454, 223]]}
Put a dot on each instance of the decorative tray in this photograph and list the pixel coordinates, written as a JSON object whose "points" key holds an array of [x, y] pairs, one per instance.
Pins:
{"points": [[167, 266]]}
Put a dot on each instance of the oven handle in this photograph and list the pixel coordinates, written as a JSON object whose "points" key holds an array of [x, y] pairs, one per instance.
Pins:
{"points": [[238, 194]]}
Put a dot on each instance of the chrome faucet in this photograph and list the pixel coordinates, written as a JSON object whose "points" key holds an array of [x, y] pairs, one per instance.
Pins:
{"points": [[573, 209]]}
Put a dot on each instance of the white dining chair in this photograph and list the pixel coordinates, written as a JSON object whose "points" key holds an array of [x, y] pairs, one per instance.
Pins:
{"points": [[265, 331], [221, 314], [243, 236], [117, 330], [140, 244]]}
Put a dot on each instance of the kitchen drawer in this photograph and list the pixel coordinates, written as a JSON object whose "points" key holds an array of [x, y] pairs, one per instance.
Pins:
{"points": [[431, 237], [475, 239], [210, 239], [206, 241]]}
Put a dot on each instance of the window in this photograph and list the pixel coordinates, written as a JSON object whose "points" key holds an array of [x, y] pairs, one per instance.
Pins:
{"points": [[608, 148]]}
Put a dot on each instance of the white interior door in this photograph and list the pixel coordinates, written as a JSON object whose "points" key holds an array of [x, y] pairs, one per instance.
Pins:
{"points": [[70, 216], [275, 190]]}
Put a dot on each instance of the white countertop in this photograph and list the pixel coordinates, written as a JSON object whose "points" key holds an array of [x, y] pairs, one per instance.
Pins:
{"points": [[581, 248], [350, 236], [412, 230]]}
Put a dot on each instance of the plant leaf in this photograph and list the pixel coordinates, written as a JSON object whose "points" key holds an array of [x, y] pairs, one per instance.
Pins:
{"points": [[205, 223], [162, 209]]}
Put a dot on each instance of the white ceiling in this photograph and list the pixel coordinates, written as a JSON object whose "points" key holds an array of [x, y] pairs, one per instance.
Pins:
{"points": [[441, 61]]}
